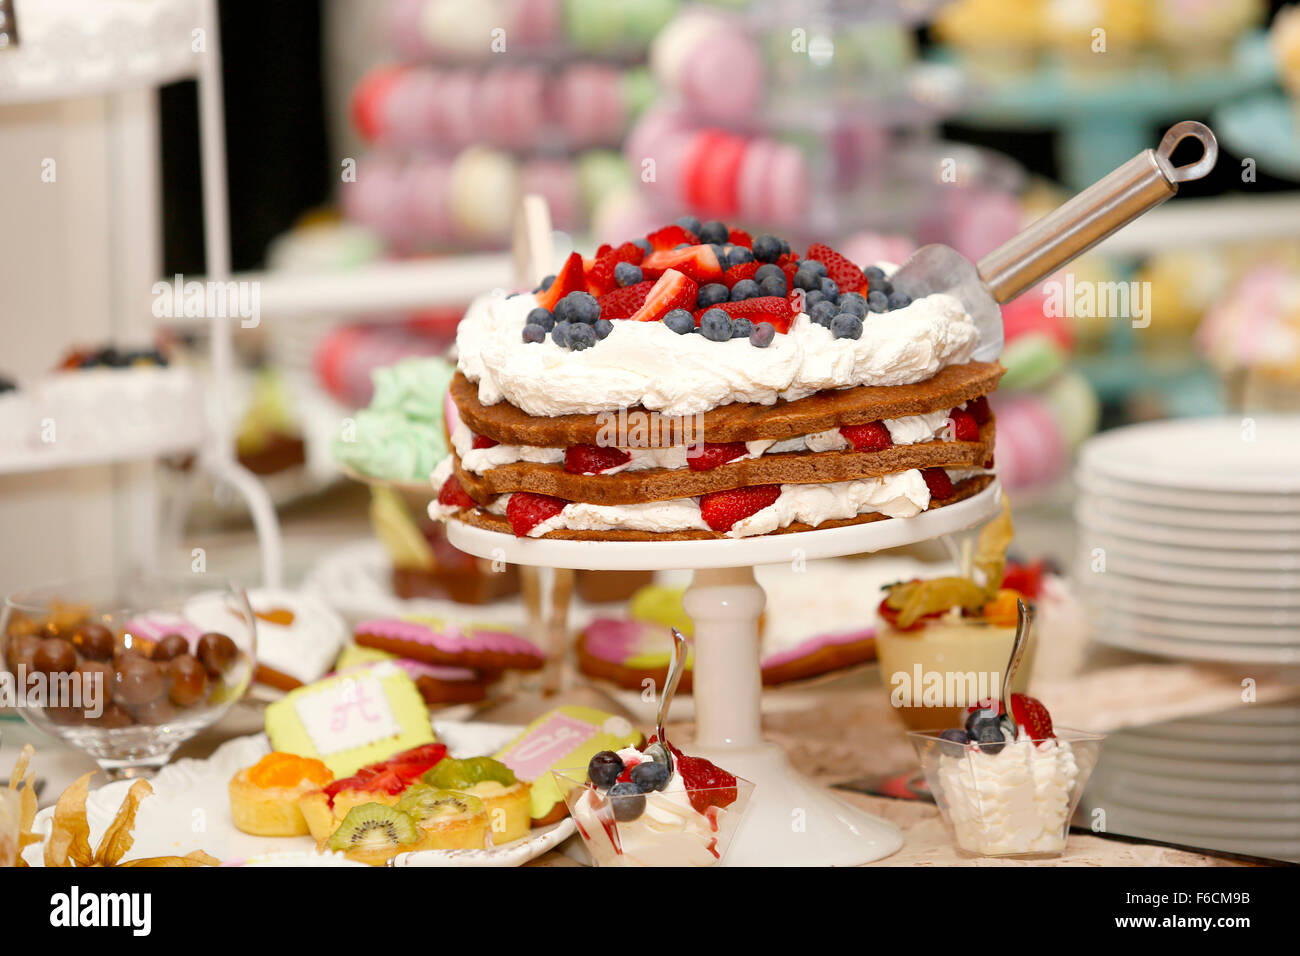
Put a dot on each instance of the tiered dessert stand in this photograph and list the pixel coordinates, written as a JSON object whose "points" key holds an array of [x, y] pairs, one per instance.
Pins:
{"points": [[790, 821]]}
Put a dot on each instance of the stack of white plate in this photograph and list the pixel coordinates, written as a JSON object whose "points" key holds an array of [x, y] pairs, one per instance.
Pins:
{"points": [[1189, 538], [1227, 782]]}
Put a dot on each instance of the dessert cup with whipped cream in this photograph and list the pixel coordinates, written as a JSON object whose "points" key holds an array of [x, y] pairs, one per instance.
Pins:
{"points": [[689, 820], [1012, 799]]}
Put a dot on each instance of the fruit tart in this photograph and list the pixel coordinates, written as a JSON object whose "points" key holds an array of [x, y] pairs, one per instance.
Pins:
{"points": [[264, 798], [382, 783], [508, 800], [424, 819]]}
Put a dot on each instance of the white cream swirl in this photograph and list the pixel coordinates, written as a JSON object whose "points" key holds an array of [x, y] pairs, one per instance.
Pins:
{"points": [[646, 364]]}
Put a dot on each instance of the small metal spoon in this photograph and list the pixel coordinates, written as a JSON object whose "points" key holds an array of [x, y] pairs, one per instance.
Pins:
{"points": [[675, 668], [1024, 620]]}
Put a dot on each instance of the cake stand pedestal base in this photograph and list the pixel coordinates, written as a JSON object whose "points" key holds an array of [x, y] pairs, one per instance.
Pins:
{"points": [[790, 820]]}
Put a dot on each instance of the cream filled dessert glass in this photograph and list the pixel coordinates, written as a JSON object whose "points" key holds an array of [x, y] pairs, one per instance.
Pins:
{"points": [[1007, 791], [632, 811]]}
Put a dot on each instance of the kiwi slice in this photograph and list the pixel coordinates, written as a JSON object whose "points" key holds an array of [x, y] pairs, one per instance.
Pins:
{"points": [[422, 804], [373, 826], [452, 774]]}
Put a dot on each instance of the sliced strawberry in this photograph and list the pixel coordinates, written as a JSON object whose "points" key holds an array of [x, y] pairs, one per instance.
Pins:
{"points": [[873, 436], [765, 308], [482, 441], [979, 409], [1024, 578], [569, 279], [670, 236], [713, 454], [452, 493], [671, 291], [624, 303], [890, 615], [698, 262], [527, 510], [722, 509], [1031, 717], [963, 425], [744, 270], [788, 258], [707, 785], [845, 274], [789, 267], [603, 248], [593, 459], [989, 463], [739, 237], [600, 274], [409, 764], [937, 480]]}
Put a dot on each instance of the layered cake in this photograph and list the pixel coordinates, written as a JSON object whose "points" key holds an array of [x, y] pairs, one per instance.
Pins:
{"points": [[700, 383]]}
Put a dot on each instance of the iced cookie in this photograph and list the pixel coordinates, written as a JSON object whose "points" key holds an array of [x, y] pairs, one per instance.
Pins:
{"points": [[437, 685], [298, 636], [351, 720], [563, 737], [436, 641]]}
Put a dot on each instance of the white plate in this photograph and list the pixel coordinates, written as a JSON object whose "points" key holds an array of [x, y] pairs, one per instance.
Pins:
{"points": [[1215, 502], [1234, 792], [1092, 518], [1230, 454], [1116, 582], [1287, 637], [1259, 752], [190, 810], [1192, 519], [1146, 569], [1238, 772], [1191, 827], [1205, 731], [1117, 599], [1274, 562], [1283, 811], [1185, 650]]}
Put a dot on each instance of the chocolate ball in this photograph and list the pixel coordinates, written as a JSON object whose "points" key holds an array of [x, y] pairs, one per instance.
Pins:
{"points": [[189, 680], [155, 712], [138, 681], [55, 656], [173, 645], [22, 652], [97, 678], [114, 717], [216, 652], [94, 641]]}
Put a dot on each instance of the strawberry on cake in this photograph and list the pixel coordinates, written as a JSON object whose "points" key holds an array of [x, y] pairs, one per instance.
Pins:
{"points": [[700, 383]]}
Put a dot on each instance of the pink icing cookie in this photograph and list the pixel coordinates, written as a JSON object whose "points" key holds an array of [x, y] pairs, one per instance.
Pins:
{"points": [[438, 642]]}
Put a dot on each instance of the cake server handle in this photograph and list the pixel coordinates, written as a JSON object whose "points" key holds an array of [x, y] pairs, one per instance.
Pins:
{"points": [[1109, 204]]}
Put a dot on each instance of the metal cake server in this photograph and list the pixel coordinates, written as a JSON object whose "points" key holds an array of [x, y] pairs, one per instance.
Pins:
{"points": [[1109, 204], [659, 749]]}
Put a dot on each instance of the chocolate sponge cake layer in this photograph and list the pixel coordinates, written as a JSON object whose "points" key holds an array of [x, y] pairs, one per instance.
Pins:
{"points": [[736, 422], [490, 522], [661, 484]]}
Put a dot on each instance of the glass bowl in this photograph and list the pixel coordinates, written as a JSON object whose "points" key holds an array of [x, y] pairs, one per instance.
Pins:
{"points": [[669, 832], [1016, 802], [115, 668]]}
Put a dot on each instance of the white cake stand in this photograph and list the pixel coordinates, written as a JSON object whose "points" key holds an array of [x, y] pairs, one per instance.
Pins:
{"points": [[791, 821]]}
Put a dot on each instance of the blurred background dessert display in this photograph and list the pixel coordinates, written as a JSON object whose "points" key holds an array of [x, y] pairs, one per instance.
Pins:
{"points": [[376, 161]]}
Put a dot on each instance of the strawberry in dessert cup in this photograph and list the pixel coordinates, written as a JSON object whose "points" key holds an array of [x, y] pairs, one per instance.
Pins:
{"points": [[1007, 788], [632, 810]]}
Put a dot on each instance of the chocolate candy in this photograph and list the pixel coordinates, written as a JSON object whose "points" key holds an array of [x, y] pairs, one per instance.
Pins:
{"points": [[217, 652], [94, 641], [55, 656], [138, 681], [173, 645], [189, 680]]}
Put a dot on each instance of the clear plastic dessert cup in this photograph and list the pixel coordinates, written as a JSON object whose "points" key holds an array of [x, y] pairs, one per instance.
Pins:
{"points": [[1016, 802], [675, 828], [114, 668]]}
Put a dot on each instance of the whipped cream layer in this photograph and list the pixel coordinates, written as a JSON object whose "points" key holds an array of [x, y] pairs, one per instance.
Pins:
{"points": [[1015, 801], [646, 364], [900, 495], [908, 430], [670, 832]]}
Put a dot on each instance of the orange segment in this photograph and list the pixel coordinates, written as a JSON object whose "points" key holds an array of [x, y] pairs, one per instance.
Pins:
{"points": [[285, 770]]}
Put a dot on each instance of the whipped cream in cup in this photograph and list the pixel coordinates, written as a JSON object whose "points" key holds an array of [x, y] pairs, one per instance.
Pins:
{"points": [[670, 831], [1017, 801]]}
